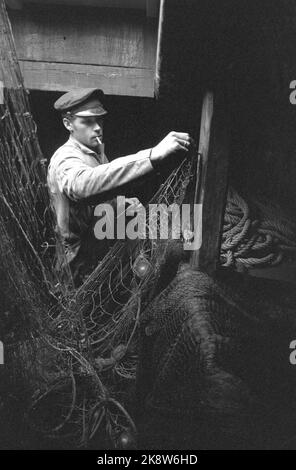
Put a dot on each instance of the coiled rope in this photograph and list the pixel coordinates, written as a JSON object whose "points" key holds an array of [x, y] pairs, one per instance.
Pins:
{"points": [[255, 234]]}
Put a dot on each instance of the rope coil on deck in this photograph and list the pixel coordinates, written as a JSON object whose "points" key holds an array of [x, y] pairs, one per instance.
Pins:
{"points": [[255, 237]]}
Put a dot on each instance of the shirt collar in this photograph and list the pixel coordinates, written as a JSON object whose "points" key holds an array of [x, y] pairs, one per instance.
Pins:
{"points": [[83, 148]]}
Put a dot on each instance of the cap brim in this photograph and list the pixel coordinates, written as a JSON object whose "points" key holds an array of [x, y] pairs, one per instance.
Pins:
{"points": [[91, 112]]}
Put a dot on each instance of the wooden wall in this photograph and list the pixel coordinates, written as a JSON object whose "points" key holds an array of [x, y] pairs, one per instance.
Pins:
{"points": [[63, 47]]}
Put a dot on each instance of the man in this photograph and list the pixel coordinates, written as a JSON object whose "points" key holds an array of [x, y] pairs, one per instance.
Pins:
{"points": [[80, 175]]}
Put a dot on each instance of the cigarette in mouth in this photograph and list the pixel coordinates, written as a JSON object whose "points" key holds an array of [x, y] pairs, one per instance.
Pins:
{"points": [[99, 140]]}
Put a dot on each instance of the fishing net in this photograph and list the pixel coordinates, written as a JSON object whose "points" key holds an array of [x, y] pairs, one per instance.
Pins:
{"points": [[71, 355], [68, 353], [213, 363]]}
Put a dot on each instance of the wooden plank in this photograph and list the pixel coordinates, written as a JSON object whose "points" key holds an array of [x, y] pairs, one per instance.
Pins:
{"points": [[64, 77], [203, 150], [159, 48], [214, 149], [85, 36]]}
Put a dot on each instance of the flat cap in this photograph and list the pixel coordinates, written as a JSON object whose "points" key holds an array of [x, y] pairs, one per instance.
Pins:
{"points": [[82, 102]]}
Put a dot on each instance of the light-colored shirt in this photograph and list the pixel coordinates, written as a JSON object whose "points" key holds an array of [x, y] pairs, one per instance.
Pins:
{"points": [[77, 177]]}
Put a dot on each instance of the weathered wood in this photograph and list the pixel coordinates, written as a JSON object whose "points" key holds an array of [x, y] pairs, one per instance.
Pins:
{"points": [[214, 148], [203, 150], [159, 48], [63, 77], [86, 37]]}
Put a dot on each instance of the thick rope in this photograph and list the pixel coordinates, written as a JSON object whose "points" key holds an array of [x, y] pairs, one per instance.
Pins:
{"points": [[259, 238]]}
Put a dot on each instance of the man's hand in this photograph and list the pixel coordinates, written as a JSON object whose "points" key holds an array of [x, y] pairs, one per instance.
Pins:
{"points": [[133, 204], [174, 143]]}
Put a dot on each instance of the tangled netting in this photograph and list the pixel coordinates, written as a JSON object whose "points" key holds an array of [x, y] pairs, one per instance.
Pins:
{"points": [[213, 363], [70, 354], [73, 354]]}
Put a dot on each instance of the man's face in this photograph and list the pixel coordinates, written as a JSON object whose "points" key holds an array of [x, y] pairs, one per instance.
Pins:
{"points": [[86, 130]]}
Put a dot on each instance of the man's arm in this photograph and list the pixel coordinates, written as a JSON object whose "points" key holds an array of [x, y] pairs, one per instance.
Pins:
{"points": [[80, 181]]}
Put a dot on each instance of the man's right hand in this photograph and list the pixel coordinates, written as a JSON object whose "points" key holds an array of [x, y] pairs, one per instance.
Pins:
{"points": [[174, 143]]}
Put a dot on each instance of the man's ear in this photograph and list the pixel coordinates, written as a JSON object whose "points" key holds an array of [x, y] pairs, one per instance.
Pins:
{"points": [[68, 124]]}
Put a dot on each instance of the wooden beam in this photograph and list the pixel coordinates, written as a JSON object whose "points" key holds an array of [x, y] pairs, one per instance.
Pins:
{"points": [[53, 76], [203, 151], [115, 51], [87, 36], [214, 150], [159, 48]]}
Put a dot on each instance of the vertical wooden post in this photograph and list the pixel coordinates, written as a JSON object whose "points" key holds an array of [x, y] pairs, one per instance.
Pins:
{"points": [[159, 48], [212, 189]]}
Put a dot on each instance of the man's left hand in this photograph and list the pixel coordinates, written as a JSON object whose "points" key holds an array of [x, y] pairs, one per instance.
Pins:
{"points": [[133, 204]]}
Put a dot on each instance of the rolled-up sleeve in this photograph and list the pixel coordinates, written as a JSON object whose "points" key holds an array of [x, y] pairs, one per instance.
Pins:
{"points": [[80, 181]]}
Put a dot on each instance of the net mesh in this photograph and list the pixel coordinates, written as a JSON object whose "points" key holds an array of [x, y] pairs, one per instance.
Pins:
{"points": [[71, 353]]}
